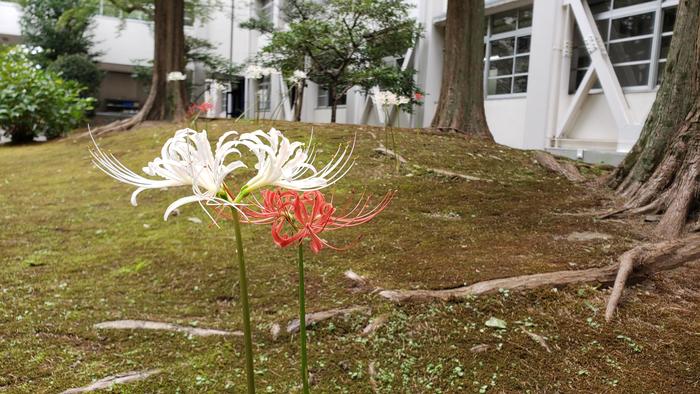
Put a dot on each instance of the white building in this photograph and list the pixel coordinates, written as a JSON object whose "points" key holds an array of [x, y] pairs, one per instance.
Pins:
{"points": [[576, 77], [127, 42]]}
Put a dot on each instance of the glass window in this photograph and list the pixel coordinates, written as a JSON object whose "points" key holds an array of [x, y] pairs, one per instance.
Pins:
{"points": [[508, 59], [630, 51], [627, 3], [503, 22], [265, 9], [264, 94], [632, 41], [632, 26], [598, 6], [325, 100]]}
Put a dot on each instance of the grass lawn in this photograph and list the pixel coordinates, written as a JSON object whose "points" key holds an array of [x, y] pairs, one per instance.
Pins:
{"points": [[74, 252]]}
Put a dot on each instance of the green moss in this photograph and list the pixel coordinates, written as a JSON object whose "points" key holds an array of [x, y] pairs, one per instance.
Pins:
{"points": [[74, 252]]}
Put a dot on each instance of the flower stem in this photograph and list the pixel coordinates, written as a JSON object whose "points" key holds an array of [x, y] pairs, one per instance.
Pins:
{"points": [[243, 284], [302, 322]]}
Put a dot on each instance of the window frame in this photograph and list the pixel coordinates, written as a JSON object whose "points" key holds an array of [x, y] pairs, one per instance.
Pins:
{"points": [[657, 7], [515, 34], [327, 100]]}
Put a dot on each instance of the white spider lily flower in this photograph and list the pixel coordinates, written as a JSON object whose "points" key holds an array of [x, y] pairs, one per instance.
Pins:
{"points": [[186, 160], [288, 165], [385, 98], [176, 76], [403, 100]]}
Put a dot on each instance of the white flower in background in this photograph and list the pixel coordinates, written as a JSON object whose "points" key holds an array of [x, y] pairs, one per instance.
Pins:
{"points": [[386, 98], [288, 165], [186, 160], [176, 76], [297, 77], [254, 71]]}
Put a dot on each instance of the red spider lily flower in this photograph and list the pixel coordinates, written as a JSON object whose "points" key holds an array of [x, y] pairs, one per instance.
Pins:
{"points": [[194, 108], [205, 106], [418, 96], [295, 216]]}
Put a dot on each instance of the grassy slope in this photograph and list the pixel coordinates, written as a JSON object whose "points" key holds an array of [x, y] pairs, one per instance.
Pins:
{"points": [[74, 252]]}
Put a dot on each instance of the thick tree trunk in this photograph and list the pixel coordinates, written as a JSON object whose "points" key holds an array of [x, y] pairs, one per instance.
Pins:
{"points": [[461, 103], [298, 102], [166, 100], [661, 173], [334, 102], [171, 99]]}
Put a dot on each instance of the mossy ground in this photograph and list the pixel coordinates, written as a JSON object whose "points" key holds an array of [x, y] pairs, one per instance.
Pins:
{"points": [[74, 252]]}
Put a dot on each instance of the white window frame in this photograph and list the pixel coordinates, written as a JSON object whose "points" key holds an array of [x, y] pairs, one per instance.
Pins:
{"points": [[655, 6], [515, 34]]}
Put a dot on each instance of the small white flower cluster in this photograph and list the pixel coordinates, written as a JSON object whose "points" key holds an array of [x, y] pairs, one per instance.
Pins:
{"points": [[297, 77], [254, 71], [386, 98], [176, 76], [27, 50]]}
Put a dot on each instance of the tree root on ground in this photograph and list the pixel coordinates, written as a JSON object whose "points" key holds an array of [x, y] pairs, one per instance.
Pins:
{"points": [[636, 264], [154, 325], [110, 381], [567, 169], [316, 317]]}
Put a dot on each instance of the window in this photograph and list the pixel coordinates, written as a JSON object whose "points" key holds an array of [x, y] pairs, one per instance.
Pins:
{"points": [[637, 35], [265, 8], [264, 94], [325, 100], [508, 52]]}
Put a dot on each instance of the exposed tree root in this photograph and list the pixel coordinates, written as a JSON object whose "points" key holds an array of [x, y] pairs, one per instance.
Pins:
{"points": [[636, 264], [568, 170], [375, 324], [390, 153], [313, 318], [154, 325], [129, 123], [539, 339], [451, 174], [110, 381]]}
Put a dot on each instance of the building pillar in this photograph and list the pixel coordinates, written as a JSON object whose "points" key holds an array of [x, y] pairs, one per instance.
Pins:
{"points": [[544, 72]]}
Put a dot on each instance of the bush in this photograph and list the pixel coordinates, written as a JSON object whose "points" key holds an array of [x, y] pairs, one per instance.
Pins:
{"points": [[79, 68], [34, 101]]}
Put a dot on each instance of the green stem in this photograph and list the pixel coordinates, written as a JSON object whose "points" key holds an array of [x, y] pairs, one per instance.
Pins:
{"points": [[245, 306], [302, 322]]}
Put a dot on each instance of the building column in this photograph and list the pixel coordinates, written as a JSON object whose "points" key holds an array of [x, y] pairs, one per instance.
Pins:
{"points": [[544, 72]]}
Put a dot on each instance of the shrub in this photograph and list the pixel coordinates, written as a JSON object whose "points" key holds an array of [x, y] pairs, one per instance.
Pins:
{"points": [[79, 68], [34, 101]]}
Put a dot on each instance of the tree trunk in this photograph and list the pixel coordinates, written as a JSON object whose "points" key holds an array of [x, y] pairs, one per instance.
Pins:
{"points": [[171, 99], [661, 173], [334, 102], [299, 100], [166, 100], [461, 103]]}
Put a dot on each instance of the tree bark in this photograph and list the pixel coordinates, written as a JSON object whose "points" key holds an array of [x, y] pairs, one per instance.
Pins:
{"points": [[662, 171], [334, 102], [461, 103], [166, 100], [299, 101]]}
